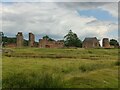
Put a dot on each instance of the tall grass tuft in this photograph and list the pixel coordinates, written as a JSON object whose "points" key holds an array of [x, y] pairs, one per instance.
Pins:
{"points": [[92, 67], [86, 68], [33, 80], [117, 63]]}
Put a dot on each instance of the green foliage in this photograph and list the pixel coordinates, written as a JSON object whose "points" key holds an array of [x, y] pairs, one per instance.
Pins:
{"points": [[114, 42], [48, 38], [72, 40], [15, 80], [117, 63], [2, 34], [92, 67], [25, 42], [8, 40], [33, 80]]}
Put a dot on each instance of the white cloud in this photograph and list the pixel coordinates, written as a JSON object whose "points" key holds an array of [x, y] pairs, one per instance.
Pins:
{"points": [[112, 8], [102, 28], [52, 19]]}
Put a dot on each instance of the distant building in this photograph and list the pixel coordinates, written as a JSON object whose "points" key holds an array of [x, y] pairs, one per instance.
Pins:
{"points": [[106, 43], [45, 43], [11, 45], [20, 40], [31, 40], [91, 43]]}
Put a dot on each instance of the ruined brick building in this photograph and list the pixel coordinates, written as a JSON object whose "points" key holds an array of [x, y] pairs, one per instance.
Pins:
{"points": [[106, 43], [31, 40], [45, 43], [20, 40], [91, 43], [12, 45]]}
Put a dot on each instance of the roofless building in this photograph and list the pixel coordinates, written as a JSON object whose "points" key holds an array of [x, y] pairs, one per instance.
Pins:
{"points": [[92, 42]]}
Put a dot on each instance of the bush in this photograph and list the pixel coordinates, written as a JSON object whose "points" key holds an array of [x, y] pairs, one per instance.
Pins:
{"points": [[117, 63], [90, 52]]}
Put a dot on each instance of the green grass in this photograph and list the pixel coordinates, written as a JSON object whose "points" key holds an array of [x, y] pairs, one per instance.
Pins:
{"points": [[60, 68]]}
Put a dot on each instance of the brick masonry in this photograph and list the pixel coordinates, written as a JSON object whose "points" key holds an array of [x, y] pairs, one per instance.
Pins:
{"points": [[106, 43], [31, 40], [91, 43], [20, 40], [44, 43]]}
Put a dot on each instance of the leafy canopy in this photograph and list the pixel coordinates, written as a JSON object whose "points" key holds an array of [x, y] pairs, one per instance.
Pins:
{"points": [[72, 40], [48, 38], [114, 42]]}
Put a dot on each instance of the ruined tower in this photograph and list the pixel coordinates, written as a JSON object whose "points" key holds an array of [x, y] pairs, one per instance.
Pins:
{"points": [[31, 40], [19, 37], [106, 43]]}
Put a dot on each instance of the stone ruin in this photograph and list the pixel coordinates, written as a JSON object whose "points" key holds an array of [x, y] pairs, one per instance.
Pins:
{"points": [[106, 43], [20, 40], [91, 43], [45, 43], [31, 40]]}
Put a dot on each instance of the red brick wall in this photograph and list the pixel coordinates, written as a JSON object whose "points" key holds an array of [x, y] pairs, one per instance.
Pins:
{"points": [[44, 43]]}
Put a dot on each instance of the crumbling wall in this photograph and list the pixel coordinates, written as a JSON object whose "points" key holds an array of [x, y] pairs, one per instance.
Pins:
{"points": [[106, 43], [20, 40], [44, 43], [31, 40]]}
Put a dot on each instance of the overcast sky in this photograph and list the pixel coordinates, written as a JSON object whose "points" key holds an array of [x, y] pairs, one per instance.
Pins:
{"points": [[87, 19]]}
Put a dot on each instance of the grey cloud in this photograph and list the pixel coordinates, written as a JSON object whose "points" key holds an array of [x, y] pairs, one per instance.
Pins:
{"points": [[82, 5], [62, 1], [54, 19]]}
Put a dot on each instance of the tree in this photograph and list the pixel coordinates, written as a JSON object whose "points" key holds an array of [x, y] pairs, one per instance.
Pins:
{"points": [[72, 40], [48, 38], [26, 42], [2, 34], [114, 43]]}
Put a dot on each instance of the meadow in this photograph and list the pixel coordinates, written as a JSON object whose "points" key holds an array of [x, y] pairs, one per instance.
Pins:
{"points": [[60, 68]]}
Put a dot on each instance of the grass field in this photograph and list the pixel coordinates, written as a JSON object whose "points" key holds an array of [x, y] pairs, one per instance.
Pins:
{"points": [[60, 68]]}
